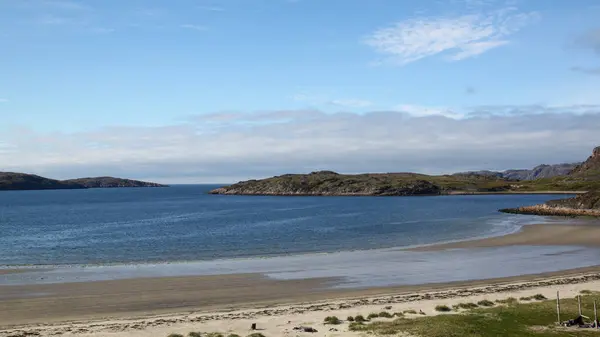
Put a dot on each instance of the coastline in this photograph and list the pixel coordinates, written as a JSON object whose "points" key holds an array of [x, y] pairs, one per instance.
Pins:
{"points": [[584, 234], [167, 310]]}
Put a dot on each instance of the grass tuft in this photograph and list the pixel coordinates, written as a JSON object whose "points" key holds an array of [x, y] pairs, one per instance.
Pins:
{"points": [[373, 315], [350, 319], [539, 297], [385, 314], [485, 303], [410, 311], [194, 334], [360, 319], [175, 335], [399, 314], [256, 334], [443, 308], [332, 320], [586, 292], [233, 335], [509, 301], [357, 326]]}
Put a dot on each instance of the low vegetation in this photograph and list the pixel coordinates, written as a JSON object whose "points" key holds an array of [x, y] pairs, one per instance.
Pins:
{"points": [[256, 334], [443, 308], [385, 314], [194, 334], [410, 311], [532, 319], [360, 319], [509, 301], [332, 320], [372, 315], [350, 319], [466, 306], [233, 335], [485, 303]]}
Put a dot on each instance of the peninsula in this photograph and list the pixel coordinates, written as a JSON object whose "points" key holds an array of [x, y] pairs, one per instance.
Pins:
{"points": [[579, 179], [22, 181]]}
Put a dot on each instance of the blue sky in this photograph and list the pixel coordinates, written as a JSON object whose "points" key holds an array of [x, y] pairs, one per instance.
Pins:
{"points": [[133, 87]]}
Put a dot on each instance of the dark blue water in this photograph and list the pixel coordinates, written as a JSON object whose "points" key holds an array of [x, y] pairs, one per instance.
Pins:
{"points": [[183, 223]]}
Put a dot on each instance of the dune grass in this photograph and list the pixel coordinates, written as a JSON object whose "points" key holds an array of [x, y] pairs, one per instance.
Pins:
{"points": [[443, 308], [332, 320], [485, 303], [532, 319]]}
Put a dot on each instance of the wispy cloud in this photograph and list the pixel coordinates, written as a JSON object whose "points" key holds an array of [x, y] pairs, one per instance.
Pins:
{"points": [[459, 37], [212, 8], [194, 27], [589, 40], [65, 5], [587, 70], [351, 103], [423, 111], [3, 100]]}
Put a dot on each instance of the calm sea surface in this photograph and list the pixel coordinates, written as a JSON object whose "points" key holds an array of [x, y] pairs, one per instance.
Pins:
{"points": [[183, 223]]}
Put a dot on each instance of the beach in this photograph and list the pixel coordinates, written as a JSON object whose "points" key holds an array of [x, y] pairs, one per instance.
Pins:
{"points": [[586, 234], [230, 303]]}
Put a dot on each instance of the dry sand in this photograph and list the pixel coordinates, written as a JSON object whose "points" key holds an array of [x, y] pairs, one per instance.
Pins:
{"points": [[584, 234], [279, 320]]}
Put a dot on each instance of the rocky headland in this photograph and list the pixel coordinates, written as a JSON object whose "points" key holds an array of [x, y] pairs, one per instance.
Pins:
{"points": [[12, 181]]}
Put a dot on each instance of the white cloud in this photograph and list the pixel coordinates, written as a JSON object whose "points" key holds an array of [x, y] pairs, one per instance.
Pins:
{"points": [[194, 27], [3, 100], [351, 103], [461, 37], [422, 111], [232, 146]]}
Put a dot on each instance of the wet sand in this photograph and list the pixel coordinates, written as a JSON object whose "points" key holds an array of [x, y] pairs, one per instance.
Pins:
{"points": [[586, 235], [52, 303]]}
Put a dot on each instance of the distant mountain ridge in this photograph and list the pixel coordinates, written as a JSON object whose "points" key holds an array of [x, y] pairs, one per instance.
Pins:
{"points": [[538, 172], [22, 181]]}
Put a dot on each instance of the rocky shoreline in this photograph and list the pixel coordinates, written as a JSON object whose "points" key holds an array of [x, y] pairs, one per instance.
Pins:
{"points": [[546, 210]]}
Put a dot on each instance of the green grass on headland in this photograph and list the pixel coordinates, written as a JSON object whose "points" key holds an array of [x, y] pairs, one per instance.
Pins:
{"points": [[533, 319]]}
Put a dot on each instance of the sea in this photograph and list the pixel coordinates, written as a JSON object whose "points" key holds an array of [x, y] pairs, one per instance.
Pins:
{"points": [[103, 234]]}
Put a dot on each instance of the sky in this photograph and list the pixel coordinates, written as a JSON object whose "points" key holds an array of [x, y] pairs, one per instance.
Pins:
{"points": [[217, 91]]}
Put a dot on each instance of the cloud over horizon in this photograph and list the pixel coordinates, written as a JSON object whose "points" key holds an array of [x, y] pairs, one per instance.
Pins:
{"points": [[227, 147]]}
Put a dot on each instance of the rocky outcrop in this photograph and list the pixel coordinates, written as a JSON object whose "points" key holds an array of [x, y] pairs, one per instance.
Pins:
{"points": [[589, 168], [587, 204], [111, 182]]}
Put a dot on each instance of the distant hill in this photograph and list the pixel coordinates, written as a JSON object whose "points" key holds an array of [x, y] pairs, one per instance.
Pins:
{"points": [[111, 182], [23, 181], [538, 172]]}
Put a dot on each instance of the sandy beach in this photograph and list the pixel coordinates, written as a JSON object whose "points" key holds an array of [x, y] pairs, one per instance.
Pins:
{"points": [[104, 314], [230, 303], [586, 234]]}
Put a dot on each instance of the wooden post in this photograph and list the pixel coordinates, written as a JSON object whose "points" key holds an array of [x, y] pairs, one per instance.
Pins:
{"points": [[579, 303], [595, 316], [558, 306]]}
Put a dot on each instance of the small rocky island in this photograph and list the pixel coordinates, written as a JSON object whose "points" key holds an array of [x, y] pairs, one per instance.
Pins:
{"points": [[21, 181]]}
